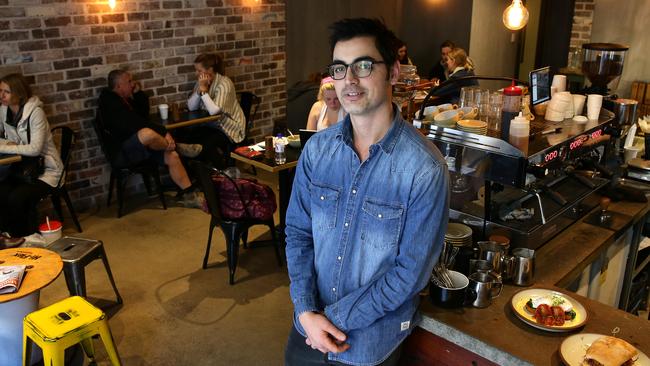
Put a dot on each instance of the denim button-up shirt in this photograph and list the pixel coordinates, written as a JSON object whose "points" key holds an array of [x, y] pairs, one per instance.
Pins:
{"points": [[362, 237]]}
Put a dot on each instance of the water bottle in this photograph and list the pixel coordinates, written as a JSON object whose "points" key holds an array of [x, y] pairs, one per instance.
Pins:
{"points": [[280, 155]]}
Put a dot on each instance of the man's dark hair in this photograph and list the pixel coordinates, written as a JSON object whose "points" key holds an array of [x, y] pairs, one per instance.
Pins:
{"points": [[114, 76], [447, 43], [385, 40]]}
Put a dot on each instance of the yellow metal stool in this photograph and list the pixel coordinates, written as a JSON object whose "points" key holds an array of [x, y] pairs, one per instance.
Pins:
{"points": [[63, 324]]}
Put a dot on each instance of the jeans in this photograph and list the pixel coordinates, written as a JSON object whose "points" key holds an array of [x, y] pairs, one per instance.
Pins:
{"points": [[298, 353]]}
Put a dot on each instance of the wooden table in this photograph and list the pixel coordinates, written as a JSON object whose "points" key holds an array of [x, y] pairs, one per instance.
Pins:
{"points": [[186, 118], [285, 176], [6, 159], [46, 267]]}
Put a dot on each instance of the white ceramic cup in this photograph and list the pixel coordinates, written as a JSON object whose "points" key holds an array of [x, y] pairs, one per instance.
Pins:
{"points": [[578, 103], [594, 102], [559, 82], [164, 111], [631, 152]]}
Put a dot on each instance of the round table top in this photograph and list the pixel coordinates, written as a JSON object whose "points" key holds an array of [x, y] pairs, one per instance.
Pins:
{"points": [[46, 268]]}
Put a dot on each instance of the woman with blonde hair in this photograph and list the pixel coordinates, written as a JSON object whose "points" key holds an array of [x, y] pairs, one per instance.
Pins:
{"points": [[458, 66], [327, 110]]}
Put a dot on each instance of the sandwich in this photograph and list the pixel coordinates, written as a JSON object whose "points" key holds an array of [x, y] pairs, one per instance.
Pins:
{"points": [[610, 351]]}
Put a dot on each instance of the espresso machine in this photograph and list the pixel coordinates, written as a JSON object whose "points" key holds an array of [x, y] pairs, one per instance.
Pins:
{"points": [[528, 196]]}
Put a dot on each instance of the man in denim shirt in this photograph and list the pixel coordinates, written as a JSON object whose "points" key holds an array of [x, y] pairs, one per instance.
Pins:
{"points": [[367, 215]]}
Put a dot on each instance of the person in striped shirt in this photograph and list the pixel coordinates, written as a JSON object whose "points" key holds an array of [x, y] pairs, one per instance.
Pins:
{"points": [[215, 93]]}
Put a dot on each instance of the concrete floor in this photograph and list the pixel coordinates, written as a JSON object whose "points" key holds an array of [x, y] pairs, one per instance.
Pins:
{"points": [[174, 312]]}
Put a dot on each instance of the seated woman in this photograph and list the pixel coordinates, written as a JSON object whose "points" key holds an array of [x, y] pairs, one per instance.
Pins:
{"points": [[215, 93], [327, 110], [402, 53], [458, 66], [24, 131]]}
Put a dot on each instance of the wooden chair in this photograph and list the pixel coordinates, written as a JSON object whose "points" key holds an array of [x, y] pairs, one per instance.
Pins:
{"points": [[120, 171], [66, 139], [234, 229]]}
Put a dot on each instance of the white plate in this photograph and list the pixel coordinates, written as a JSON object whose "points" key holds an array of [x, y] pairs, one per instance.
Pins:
{"points": [[518, 304], [573, 349]]}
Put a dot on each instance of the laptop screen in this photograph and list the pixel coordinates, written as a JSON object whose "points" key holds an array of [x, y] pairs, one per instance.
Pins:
{"points": [[305, 135], [540, 85]]}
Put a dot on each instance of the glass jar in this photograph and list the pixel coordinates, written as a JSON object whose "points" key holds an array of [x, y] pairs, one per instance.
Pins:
{"points": [[403, 90]]}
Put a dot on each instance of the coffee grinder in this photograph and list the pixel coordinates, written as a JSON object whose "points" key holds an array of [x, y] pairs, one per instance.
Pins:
{"points": [[602, 65]]}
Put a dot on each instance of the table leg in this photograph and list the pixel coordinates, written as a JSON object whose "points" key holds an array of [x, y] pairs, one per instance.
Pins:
{"points": [[11, 329], [285, 178]]}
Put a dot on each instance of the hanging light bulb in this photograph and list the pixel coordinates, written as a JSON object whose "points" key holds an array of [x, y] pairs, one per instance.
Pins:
{"points": [[515, 16], [111, 4]]}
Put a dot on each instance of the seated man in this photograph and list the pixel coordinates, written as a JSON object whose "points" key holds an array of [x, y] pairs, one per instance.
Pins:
{"points": [[124, 109]]}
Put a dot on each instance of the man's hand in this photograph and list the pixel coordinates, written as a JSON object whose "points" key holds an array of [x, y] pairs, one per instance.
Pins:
{"points": [[136, 87], [322, 334], [171, 144], [205, 80]]}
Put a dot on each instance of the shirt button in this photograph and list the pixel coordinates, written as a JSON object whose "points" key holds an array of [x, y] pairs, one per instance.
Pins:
{"points": [[346, 224], [354, 191], [322, 198], [339, 257], [379, 216], [333, 289]]}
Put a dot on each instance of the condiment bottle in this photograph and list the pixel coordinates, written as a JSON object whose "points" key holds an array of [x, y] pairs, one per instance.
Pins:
{"points": [[520, 132], [510, 108]]}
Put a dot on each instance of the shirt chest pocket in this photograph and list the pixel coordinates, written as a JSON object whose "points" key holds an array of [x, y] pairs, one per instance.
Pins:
{"points": [[324, 205], [381, 223]]}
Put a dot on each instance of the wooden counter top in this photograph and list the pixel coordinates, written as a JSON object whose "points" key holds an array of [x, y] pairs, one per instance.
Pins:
{"points": [[497, 334]]}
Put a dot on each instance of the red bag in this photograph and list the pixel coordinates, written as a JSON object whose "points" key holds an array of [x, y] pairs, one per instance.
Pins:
{"points": [[244, 198]]}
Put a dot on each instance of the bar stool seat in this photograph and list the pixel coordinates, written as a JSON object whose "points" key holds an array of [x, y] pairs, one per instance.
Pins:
{"points": [[64, 324], [76, 254]]}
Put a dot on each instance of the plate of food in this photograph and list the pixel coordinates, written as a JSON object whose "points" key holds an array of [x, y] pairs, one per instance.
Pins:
{"points": [[548, 310], [597, 349]]}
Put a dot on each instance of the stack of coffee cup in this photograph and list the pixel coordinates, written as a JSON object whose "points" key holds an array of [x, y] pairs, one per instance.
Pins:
{"points": [[558, 107]]}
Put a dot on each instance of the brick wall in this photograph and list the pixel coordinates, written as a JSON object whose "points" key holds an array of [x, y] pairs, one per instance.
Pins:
{"points": [[67, 47], [583, 16]]}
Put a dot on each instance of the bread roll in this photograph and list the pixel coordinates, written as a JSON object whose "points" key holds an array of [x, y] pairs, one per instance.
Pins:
{"points": [[609, 351]]}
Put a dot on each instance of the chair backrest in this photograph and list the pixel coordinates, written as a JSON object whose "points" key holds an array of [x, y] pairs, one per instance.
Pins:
{"points": [[66, 140], [102, 136], [204, 171], [249, 103]]}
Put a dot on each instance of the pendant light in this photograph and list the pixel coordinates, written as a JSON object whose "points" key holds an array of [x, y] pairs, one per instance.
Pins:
{"points": [[515, 16]]}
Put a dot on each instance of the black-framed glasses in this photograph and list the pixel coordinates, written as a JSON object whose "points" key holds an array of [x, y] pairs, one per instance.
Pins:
{"points": [[360, 69]]}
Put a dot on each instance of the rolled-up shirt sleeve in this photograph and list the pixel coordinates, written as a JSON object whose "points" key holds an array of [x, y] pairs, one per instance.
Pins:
{"points": [[419, 248]]}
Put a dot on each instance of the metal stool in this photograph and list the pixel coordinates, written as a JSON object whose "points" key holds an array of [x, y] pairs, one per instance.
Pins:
{"points": [[76, 253], [64, 324]]}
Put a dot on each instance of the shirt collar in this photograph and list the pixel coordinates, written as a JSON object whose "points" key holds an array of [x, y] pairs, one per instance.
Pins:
{"points": [[387, 143]]}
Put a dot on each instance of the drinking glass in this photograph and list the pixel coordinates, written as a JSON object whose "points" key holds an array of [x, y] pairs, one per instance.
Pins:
{"points": [[408, 77], [481, 96], [467, 96], [494, 117]]}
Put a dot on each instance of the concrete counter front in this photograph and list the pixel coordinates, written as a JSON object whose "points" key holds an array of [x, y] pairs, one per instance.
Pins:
{"points": [[495, 336]]}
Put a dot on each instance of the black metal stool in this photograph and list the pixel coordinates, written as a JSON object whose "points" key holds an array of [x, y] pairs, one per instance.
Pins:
{"points": [[76, 254]]}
